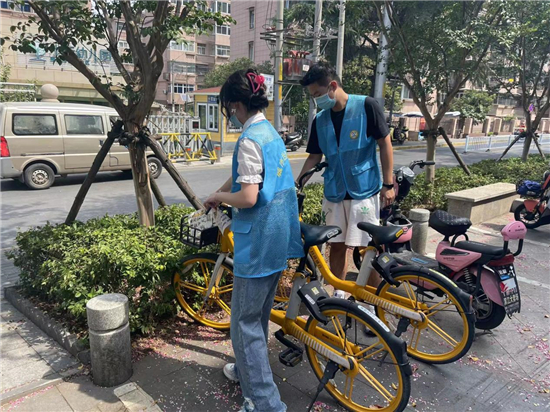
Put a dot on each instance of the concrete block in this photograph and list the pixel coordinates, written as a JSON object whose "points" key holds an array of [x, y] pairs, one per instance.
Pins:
{"points": [[482, 203], [111, 356], [515, 204], [107, 312]]}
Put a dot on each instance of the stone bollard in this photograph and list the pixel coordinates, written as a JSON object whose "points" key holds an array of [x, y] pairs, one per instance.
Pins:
{"points": [[419, 219], [110, 346]]}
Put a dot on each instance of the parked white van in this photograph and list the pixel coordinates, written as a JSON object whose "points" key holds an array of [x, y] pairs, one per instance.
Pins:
{"points": [[39, 140]]}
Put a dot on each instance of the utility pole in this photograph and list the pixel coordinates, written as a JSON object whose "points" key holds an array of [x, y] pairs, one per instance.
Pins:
{"points": [[278, 64], [382, 65], [315, 54], [340, 48]]}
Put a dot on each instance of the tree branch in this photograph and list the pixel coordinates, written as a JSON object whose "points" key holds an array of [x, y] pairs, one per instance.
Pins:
{"points": [[55, 32], [133, 36]]}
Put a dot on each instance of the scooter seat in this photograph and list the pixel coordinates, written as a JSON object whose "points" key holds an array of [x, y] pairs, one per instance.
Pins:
{"points": [[447, 224], [382, 235], [477, 247], [317, 235]]}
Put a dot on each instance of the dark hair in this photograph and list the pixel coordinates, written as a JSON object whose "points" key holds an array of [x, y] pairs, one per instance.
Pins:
{"points": [[321, 73], [239, 88]]}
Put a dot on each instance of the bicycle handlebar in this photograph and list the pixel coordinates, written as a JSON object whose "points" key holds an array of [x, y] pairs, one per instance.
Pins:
{"points": [[421, 164], [317, 168]]}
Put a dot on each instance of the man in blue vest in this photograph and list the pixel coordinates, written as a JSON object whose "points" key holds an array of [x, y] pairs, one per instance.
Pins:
{"points": [[347, 132]]}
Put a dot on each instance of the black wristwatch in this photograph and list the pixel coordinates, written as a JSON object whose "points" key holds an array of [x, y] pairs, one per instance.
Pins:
{"points": [[387, 186]]}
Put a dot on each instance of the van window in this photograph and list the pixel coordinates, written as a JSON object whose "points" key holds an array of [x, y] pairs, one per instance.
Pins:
{"points": [[83, 124], [34, 124]]}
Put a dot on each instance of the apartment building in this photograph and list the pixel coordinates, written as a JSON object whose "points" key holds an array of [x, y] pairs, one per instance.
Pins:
{"points": [[252, 18], [186, 62]]}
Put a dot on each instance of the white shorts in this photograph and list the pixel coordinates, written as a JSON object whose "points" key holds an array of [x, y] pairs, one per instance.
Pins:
{"points": [[347, 213]]}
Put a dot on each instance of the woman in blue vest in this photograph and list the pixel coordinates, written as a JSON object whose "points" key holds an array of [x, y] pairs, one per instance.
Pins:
{"points": [[266, 233]]}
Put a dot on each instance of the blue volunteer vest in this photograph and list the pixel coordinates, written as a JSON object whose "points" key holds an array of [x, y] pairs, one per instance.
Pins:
{"points": [[352, 165], [268, 234]]}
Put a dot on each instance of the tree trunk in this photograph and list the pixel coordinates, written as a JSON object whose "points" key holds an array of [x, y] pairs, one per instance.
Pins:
{"points": [[182, 184], [528, 137], [455, 153], [140, 172], [81, 195], [430, 156], [509, 147]]}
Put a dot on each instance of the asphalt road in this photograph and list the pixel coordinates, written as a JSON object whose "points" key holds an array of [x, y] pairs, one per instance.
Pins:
{"points": [[112, 193]]}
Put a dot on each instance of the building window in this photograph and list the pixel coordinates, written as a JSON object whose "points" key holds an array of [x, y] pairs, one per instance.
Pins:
{"points": [[201, 49], [251, 50], [12, 5], [506, 100], [222, 50], [123, 45], [223, 7], [223, 29], [120, 26], [213, 117], [251, 18], [188, 46], [202, 70], [178, 67], [183, 88], [405, 92]]}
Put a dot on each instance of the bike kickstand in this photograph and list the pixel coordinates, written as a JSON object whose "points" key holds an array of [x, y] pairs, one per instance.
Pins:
{"points": [[330, 370], [402, 326]]}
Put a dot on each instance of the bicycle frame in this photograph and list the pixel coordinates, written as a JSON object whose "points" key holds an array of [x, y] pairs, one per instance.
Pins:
{"points": [[287, 319], [361, 291]]}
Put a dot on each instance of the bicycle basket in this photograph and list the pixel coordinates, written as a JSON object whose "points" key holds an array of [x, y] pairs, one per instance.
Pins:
{"points": [[197, 230], [528, 188]]}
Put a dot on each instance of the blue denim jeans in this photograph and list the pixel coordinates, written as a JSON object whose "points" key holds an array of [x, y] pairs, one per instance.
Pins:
{"points": [[250, 308]]}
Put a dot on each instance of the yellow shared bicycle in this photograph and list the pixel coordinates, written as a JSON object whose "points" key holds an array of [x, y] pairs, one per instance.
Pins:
{"points": [[363, 372]]}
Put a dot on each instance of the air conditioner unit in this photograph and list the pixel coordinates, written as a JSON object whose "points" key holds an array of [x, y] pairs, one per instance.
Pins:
{"points": [[166, 76], [165, 91]]}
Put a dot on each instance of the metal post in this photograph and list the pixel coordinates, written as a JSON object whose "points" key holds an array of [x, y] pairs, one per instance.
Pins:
{"points": [[278, 64], [383, 62], [341, 32], [172, 85], [490, 143], [315, 54], [467, 143]]}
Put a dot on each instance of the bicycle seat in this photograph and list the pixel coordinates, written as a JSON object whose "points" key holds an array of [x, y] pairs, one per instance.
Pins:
{"points": [[477, 247], [447, 224], [317, 235], [382, 235]]}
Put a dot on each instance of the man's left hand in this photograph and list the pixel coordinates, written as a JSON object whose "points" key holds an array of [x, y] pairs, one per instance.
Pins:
{"points": [[387, 196]]}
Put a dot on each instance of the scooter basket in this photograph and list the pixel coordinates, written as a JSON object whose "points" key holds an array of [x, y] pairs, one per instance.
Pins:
{"points": [[528, 188]]}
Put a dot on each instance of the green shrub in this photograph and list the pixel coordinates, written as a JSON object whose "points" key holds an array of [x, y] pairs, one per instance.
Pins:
{"points": [[447, 180], [312, 213], [66, 266]]}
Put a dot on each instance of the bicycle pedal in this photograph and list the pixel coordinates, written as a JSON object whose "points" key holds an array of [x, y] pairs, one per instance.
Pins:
{"points": [[291, 357]]}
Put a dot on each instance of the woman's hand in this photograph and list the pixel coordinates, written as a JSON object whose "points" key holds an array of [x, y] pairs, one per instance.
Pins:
{"points": [[212, 201]]}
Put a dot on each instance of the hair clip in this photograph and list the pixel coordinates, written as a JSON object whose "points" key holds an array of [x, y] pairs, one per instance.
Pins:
{"points": [[256, 81]]}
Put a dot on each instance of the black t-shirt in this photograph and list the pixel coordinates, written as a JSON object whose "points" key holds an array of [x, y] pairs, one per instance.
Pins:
{"points": [[377, 127]]}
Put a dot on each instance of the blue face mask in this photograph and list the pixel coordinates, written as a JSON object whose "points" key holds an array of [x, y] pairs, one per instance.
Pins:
{"points": [[233, 119], [324, 102]]}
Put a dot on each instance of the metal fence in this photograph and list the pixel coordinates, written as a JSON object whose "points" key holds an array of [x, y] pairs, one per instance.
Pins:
{"points": [[488, 143], [169, 123]]}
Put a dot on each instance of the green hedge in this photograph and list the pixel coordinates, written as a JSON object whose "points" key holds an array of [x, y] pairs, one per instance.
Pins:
{"points": [[65, 266], [447, 180]]}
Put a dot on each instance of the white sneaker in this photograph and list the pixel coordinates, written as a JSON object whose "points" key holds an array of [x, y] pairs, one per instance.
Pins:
{"points": [[229, 372]]}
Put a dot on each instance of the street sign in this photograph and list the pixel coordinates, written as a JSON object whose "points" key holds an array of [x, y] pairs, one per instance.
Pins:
{"points": [[269, 82]]}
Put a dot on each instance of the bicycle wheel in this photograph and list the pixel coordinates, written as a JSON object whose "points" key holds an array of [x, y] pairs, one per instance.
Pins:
{"points": [[381, 379], [448, 331], [190, 282]]}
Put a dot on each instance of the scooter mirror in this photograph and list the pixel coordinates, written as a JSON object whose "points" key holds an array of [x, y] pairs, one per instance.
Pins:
{"points": [[513, 231]]}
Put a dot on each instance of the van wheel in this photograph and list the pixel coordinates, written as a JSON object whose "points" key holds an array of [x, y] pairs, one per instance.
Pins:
{"points": [[155, 167], [39, 176]]}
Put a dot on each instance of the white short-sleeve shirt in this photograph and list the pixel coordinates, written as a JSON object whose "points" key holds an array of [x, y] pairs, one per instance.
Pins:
{"points": [[250, 158]]}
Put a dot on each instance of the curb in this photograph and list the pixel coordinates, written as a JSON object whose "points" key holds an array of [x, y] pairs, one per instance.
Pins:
{"points": [[50, 327], [395, 148]]}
